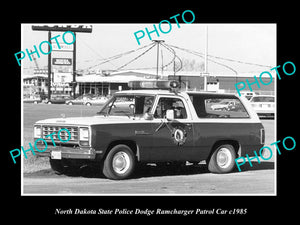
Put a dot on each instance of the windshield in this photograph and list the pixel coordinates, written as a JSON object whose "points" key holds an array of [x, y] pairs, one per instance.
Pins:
{"points": [[128, 105]]}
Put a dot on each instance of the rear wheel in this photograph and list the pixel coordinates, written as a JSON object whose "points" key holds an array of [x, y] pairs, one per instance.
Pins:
{"points": [[222, 159], [119, 163]]}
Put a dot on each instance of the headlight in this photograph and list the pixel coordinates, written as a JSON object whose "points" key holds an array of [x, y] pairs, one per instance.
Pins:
{"points": [[37, 132], [84, 136]]}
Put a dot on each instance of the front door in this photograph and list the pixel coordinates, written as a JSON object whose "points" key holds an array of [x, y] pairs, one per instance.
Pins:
{"points": [[172, 140]]}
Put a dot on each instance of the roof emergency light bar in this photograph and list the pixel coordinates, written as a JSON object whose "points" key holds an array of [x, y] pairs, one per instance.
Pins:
{"points": [[158, 84]]}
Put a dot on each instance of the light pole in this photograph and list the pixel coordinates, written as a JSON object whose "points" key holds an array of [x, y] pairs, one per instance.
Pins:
{"points": [[157, 57], [205, 59]]}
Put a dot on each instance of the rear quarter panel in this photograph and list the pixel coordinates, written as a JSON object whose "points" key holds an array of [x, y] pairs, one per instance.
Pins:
{"points": [[206, 134]]}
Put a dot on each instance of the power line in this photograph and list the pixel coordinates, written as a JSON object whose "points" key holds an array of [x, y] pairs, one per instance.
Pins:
{"points": [[222, 58], [118, 56], [140, 55], [175, 56], [170, 48], [202, 56], [97, 53]]}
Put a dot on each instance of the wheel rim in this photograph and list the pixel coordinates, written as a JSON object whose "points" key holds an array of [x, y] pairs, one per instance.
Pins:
{"points": [[224, 158], [121, 162]]}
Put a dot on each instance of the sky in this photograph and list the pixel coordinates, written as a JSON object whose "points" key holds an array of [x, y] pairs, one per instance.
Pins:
{"points": [[253, 43]]}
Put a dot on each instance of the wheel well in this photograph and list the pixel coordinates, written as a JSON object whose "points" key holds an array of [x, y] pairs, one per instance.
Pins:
{"points": [[234, 143], [131, 144]]}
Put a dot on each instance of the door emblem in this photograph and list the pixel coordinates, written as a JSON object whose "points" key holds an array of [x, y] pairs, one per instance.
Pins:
{"points": [[179, 136]]}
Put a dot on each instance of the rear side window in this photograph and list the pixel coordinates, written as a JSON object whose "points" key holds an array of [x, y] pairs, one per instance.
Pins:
{"points": [[218, 106]]}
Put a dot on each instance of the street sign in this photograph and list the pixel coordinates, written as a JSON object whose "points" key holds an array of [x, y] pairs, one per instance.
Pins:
{"points": [[62, 61], [55, 27], [62, 47]]}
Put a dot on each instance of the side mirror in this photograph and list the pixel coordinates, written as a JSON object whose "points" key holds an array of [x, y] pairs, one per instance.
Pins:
{"points": [[170, 114], [148, 116]]}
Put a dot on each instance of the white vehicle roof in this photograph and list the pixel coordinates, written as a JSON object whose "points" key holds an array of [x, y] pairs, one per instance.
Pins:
{"points": [[168, 92], [146, 91]]}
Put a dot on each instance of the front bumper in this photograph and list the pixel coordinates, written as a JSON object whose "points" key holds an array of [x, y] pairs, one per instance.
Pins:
{"points": [[67, 152]]}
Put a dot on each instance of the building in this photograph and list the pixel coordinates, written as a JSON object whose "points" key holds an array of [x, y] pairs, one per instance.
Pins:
{"points": [[35, 85], [106, 83], [223, 82]]}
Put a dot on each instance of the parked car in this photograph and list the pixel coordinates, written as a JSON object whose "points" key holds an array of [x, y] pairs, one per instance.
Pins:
{"points": [[87, 100], [100, 100], [264, 105], [58, 99], [223, 105], [32, 99], [79, 100]]}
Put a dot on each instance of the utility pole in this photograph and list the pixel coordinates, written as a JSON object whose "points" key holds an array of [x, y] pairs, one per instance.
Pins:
{"points": [[162, 62], [205, 59], [206, 49], [157, 57], [74, 84], [49, 67]]}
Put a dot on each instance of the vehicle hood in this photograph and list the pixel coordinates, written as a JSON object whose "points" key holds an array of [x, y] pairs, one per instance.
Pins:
{"points": [[93, 120]]}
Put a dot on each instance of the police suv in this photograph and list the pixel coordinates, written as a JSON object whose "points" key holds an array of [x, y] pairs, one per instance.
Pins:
{"points": [[155, 123]]}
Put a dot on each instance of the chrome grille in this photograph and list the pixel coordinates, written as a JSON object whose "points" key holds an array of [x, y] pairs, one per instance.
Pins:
{"points": [[63, 134]]}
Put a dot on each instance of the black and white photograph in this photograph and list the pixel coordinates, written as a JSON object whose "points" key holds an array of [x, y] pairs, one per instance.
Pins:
{"points": [[144, 112]]}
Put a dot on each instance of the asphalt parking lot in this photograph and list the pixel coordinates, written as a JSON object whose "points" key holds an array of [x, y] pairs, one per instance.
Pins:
{"points": [[38, 178]]}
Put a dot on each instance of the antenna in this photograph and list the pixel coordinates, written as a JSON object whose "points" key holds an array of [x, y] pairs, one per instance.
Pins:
{"points": [[205, 59]]}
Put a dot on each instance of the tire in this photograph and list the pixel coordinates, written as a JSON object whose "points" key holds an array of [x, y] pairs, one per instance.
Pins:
{"points": [[88, 104], [57, 166], [119, 163], [222, 159], [70, 103]]}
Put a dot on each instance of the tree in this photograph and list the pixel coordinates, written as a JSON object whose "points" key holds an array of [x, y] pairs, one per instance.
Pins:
{"points": [[190, 65]]}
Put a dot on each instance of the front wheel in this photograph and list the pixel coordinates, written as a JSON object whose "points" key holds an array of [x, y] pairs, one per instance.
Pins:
{"points": [[222, 159], [119, 163]]}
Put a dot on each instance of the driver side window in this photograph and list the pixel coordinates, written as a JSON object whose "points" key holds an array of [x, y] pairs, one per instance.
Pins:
{"points": [[170, 103]]}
